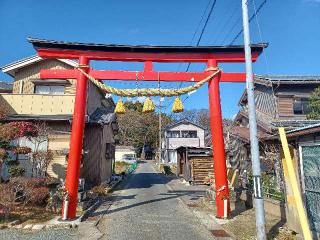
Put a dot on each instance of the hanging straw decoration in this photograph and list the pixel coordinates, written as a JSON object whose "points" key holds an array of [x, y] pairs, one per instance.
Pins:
{"points": [[177, 106], [148, 106], [120, 108]]}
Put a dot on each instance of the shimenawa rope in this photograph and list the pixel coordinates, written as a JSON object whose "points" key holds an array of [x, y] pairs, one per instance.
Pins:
{"points": [[148, 91]]}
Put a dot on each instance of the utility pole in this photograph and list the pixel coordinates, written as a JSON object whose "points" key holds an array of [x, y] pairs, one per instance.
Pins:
{"points": [[255, 158], [160, 123]]}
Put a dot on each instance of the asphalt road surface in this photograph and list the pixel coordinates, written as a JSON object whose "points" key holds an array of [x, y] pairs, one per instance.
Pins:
{"points": [[145, 209]]}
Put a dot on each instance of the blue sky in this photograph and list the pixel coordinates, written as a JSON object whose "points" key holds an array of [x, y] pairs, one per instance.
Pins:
{"points": [[291, 27]]}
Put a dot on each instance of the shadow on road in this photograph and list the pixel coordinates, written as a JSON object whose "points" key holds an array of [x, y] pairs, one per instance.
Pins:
{"points": [[145, 180]]}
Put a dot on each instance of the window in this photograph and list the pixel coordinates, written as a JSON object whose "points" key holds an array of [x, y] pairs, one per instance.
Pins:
{"points": [[49, 89], [189, 134], [301, 106], [173, 134]]}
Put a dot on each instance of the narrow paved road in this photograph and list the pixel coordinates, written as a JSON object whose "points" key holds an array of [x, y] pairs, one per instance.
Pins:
{"points": [[145, 209]]}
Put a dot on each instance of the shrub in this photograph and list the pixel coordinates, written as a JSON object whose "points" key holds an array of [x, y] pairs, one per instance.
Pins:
{"points": [[7, 195], [3, 153], [16, 171], [40, 162], [99, 190], [121, 167], [21, 150], [39, 196], [166, 169], [30, 191], [13, 130]]}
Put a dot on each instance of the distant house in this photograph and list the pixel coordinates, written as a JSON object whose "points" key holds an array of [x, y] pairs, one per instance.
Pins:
{"points": [[52, 102], [181, 134], [6, 87], [124, 153]]}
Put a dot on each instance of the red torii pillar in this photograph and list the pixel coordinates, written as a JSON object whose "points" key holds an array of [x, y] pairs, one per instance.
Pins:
{"points": [[220, 166], [148, 54], [75, 153]]}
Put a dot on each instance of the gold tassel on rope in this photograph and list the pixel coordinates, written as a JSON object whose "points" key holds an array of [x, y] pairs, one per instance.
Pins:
{"points": [[177, 105], [120, 108], [148, 106]]}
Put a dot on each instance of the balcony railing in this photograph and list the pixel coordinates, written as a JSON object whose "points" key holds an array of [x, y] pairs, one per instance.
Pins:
{"points": [[37, 104]]}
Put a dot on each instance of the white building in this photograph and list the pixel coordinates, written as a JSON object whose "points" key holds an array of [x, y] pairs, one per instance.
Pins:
{"points": [[125, 153], [181, 134]]}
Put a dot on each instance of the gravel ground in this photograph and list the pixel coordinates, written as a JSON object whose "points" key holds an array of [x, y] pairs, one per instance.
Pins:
{"points": [[48, 234], [146, 209]]}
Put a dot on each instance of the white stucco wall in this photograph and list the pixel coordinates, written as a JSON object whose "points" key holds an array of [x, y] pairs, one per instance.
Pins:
{"points": [[173, 143]]}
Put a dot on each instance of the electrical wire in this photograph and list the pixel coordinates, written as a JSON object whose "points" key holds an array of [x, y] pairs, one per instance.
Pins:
{"points": [[223, 26], [250, 19], [264, 53], [204, 28], [200, 37]]}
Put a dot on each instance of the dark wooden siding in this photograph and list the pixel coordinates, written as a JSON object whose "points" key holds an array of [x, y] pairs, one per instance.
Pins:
{"points": [[92, 157], [285, 106]]}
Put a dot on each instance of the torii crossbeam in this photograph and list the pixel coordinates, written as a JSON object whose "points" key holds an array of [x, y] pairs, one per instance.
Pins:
{"points": [[82, 52]]}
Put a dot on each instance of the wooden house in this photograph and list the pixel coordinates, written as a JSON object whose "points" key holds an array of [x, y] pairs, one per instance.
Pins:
{"points": [[52, 102], [280, 101]]}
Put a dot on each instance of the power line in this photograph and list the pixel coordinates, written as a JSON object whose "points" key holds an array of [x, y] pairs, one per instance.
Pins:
{"points": [[250, 19], [238, 20], [228, 19], [198, 26], [204, 28], [200, 36], [260, 34]]}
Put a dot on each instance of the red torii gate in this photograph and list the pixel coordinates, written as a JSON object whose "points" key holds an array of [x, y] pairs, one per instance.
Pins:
{"points": [[147, 54]]}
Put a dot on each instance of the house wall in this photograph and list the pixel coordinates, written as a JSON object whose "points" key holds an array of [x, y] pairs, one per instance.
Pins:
{"points": [[172, 143], [98, 156], [120, 152], [94, 98], [265, 100], [32, 72], [59, 143], [92, 144], [285, 98], [36, 104], [107, 153], [97, 167]]}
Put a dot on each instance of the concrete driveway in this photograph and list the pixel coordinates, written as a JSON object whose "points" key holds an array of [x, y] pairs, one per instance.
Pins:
{"points": [[146, 209]]}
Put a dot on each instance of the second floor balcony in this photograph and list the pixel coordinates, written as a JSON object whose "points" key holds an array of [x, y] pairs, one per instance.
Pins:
{"points": [[37, 104]]}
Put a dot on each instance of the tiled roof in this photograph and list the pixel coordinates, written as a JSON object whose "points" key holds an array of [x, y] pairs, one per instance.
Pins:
{"points": [[183, 121], [286, 79], [27, 117], [103, 115], [244, 133], [12, 67], [52, 44]]}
